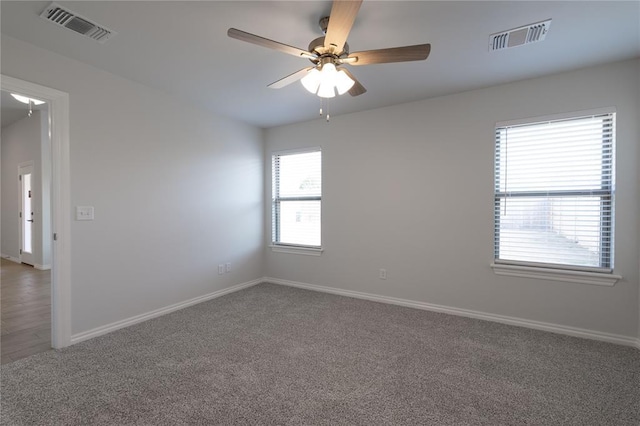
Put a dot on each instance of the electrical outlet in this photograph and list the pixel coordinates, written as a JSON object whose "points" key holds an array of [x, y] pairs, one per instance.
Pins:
{"points": [[228, 267], [220, 269], [383, 274]]}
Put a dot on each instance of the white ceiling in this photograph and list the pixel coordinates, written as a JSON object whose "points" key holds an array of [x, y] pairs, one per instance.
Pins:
{"points": [[182, 47]]}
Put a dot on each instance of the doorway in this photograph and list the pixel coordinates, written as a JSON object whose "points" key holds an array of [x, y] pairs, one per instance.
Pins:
{"points": [[26, 223], [60, 201]]}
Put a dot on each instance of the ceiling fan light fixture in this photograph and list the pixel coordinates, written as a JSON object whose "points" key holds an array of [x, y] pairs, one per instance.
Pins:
{"points": [[325, 81], [26, 100]]}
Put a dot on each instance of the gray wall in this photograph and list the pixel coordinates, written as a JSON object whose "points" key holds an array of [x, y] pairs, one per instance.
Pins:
{"points": [[176, 191], [409, 188], [22, 142]]}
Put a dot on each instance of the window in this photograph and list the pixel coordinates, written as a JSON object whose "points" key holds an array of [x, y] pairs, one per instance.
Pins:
{"points": [[297, 199], [554, 193]]}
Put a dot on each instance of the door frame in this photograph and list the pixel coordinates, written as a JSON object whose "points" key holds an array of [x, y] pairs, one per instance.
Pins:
{"points": [[60, 203], [22, 212]]}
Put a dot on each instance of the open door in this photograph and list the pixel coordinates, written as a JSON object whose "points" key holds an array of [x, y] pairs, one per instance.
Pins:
{"points": [[25, 173]]}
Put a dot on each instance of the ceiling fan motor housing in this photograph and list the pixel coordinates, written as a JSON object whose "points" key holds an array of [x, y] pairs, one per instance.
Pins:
{"points": [[318, 47]]}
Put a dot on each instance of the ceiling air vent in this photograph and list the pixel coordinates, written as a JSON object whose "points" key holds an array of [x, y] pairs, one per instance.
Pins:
{"points": [[68, 19], [519, 36]]}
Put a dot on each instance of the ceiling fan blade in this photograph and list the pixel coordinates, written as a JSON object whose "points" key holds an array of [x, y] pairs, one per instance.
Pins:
{"points": [[418, 52], [291, 78], [270, 44], [357, 88], [343, 14]]}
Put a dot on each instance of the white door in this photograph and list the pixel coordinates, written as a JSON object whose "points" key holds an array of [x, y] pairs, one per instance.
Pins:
{"points": [[26, 214]]}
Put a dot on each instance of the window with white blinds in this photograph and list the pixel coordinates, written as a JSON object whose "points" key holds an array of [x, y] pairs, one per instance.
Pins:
{"points": [[554, 193], [297, 198]]}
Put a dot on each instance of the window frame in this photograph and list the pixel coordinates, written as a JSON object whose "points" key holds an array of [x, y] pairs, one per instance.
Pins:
{"points": [[558, 272], [276, 201]]}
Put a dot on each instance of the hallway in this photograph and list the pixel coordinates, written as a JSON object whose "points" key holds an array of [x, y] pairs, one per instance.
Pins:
{"points": [[25, 294]]}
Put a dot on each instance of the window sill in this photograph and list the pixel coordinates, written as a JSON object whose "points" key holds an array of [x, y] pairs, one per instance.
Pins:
{"points": [[308, 251], [582, 277]]}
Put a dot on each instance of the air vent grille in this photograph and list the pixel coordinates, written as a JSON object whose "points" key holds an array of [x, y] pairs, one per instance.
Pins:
{"points": [[519, 36], [68, 19]]}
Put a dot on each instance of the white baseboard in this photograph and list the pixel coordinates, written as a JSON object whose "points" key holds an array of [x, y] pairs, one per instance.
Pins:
{"points": [[11, 258], [17, 260], [538, 325], [42, 267], [99, 331]]}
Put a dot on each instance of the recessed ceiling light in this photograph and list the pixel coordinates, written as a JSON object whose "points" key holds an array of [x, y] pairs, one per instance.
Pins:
{"points": [[25, 100]]}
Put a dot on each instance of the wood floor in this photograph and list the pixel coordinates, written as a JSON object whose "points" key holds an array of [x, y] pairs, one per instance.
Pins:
{"points": [[25, 311]]}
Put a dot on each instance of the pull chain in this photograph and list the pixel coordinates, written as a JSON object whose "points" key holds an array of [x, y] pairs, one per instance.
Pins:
{"points": [[30, 107], [322, 103], [328, 117]]}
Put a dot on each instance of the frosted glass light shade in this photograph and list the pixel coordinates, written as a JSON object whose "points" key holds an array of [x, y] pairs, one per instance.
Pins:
{"points": [[343, 82], [312, 80], [326, 90], [328, 71]]}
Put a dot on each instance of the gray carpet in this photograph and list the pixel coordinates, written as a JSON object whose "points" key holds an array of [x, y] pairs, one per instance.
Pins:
{"points": [[277, 355]]}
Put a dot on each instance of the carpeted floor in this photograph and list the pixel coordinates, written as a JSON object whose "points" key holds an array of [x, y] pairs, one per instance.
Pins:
{"points": [[277, 355]]}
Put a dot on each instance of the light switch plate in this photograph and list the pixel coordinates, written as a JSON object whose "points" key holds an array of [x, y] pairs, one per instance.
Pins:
{"points": [[84, 212]]}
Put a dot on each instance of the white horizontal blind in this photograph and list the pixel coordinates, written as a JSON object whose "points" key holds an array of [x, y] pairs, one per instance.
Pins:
{"points": [[297, 199], [554, 188]]}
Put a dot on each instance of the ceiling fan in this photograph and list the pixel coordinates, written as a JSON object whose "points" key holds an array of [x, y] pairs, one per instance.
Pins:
{"points": [[328, 53]]}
